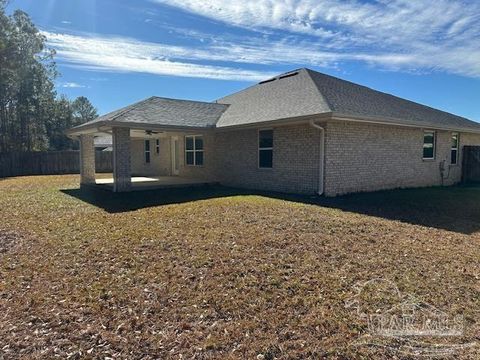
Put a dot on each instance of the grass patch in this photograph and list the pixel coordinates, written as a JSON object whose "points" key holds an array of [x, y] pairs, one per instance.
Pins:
{"points": [[218, 273]]}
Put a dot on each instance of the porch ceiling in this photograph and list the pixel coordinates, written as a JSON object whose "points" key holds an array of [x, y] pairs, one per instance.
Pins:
{"points": [[136, 133]]}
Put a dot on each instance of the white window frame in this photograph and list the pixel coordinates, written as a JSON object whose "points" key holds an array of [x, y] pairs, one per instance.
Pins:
{"points": [[147, 151], [455, 148], [194, 151], [425, 132], [157, 146], [264, 148]]}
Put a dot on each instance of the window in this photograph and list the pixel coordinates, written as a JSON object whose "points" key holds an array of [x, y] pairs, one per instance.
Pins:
{"points": [[194, 150], [454, 151], [429, 145], [265, 149], [157, 146], [147, 151]]}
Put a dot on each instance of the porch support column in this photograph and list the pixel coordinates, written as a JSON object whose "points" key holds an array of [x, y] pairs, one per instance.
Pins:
{"points": [[122, 178], [87, 160]]}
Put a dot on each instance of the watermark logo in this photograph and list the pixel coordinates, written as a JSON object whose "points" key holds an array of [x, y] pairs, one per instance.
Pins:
{"points": [[404, 324]]}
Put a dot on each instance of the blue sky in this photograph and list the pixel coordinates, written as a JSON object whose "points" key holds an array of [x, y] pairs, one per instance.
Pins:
{"points": [[116, 52]]}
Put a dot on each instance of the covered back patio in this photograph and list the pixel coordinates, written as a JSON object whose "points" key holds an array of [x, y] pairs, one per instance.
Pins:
{"points": [[156, 143], [148, 159]]}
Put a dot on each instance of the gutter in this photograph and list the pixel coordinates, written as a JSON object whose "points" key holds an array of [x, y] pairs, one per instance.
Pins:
{"points": [[304, 119], [321, 164]]}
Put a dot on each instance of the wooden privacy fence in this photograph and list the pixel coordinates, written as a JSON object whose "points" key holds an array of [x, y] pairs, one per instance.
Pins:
{"points": [[471, 164], [49, 163]]}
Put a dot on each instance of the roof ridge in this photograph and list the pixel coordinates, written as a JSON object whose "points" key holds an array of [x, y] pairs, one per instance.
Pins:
{"points": [[275, 77], [309, 71], [188, 100], [224, 106], [267, 80], [130, 108]]}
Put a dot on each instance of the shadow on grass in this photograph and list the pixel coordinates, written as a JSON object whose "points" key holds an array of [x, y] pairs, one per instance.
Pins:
{"points": [[450, 208], [122, 202]]}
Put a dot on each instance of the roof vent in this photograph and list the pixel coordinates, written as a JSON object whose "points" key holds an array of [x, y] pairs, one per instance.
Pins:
{"points": [[279, 77], [288, 75], [267, 81]]}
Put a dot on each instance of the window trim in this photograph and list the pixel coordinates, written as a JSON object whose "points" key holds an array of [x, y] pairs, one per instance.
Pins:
{"points": [[194, 151], [433, 132], [157, 146], [265, 148], [145, 152], [457, 158]]}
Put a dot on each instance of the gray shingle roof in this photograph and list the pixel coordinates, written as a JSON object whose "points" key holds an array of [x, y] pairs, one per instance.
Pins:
{"points": [[294, 94], [280, 98], [165, 112], [348, 98], [306, 92]]}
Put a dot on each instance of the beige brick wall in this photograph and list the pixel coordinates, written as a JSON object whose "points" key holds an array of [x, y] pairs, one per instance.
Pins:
{"points": [[295, 159], [358, 157], [121, 159], [161, 165], [363, 157], [207, 171], [87, 159]]}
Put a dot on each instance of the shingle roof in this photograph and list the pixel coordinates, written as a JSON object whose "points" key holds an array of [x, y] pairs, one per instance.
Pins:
{"points": [[306, 92], [165, 112], [345, 97], [278, 98], [295, 94]]}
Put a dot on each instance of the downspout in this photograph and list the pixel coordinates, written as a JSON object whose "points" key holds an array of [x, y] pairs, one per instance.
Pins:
{"points": [[321, 164]]}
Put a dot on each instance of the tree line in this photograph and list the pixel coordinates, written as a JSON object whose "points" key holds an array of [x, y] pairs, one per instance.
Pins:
{"points": [[33, 117]]}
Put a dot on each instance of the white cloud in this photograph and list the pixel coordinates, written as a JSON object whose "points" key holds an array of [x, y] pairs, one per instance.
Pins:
{"points": [[130, 55], [394, 34], [387, 20], [405, 34], [127, 55], [72, 85]]}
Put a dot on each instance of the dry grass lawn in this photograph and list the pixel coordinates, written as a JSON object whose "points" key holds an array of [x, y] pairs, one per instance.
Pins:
{"points": [[222, 274]]}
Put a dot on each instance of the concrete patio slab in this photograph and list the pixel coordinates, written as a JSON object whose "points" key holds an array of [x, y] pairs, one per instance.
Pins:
{"points": [[149, 183]]}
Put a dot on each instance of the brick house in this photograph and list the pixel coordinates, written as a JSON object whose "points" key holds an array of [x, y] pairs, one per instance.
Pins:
{"points": [[300, 132]]}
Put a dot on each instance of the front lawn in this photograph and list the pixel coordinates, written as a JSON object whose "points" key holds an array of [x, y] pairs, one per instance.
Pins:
{"points": [[218, 273]]}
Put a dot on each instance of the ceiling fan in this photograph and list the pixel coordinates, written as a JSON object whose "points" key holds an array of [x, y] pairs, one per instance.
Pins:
{"points": [[151, 132]]}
